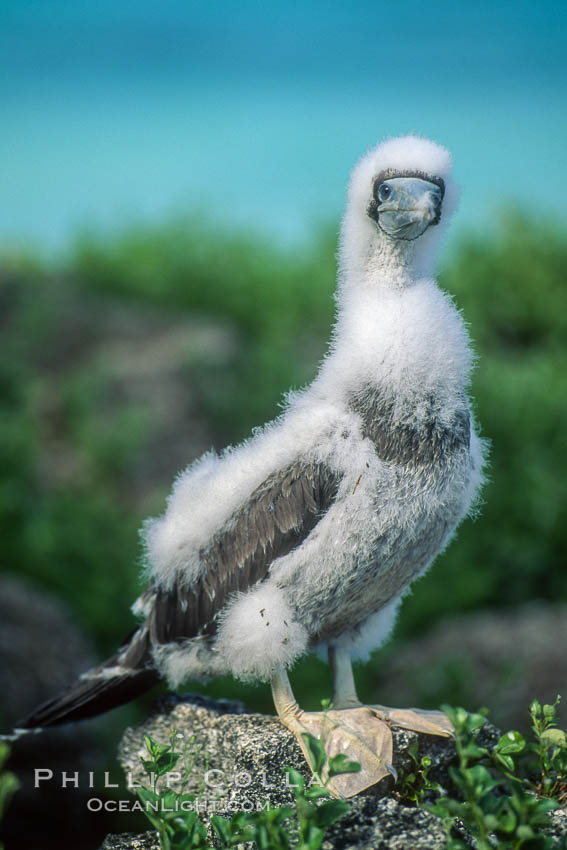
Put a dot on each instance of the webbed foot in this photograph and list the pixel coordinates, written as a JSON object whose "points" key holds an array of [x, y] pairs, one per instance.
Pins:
{"points": [[358, 733], [355, 732], [417, 720]]}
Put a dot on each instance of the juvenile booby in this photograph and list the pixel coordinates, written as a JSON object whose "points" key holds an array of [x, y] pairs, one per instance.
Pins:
{"points": [[308, 534]]}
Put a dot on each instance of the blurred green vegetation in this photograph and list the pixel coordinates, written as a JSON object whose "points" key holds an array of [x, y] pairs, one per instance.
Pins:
{"points": [[68, 519]]}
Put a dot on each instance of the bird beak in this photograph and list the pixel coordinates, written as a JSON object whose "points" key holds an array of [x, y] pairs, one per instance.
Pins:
{"points": [[407, 206]]}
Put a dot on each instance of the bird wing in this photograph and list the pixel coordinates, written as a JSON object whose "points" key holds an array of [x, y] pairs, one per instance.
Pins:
{"points": [[277, 517]]}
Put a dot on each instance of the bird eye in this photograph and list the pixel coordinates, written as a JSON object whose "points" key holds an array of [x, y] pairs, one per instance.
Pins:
{"points": [[384, 192]]}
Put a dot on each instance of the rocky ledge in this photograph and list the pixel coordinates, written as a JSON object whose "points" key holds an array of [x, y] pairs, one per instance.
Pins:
{"points": [[237, 759]]}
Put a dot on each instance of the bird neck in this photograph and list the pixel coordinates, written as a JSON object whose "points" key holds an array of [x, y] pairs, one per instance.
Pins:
{"points": [[373, 262], [380, 270], [388, 264]]}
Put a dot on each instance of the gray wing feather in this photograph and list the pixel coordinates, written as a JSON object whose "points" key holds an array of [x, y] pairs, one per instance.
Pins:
{"points": [[277, 518]]}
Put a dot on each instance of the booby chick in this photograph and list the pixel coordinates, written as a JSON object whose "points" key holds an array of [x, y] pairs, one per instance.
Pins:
{"points": [[308, 534]]}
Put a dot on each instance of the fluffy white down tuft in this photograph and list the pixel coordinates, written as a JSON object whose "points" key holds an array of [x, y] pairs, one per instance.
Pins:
{"points": [[258, 634]]}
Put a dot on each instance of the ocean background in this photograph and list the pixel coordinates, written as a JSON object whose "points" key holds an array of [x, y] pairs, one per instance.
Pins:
{"points": [[253, 114]]}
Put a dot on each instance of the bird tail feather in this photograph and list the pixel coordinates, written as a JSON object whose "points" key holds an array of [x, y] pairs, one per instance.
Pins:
{"points": [[118, 680]]}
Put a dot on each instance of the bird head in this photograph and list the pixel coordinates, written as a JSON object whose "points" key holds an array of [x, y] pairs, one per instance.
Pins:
{"points": [[405, 204], [401, 196]]}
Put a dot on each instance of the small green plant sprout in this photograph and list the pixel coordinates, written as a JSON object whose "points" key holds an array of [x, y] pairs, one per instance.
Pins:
{"points": [[551, 750], [313, 815], [497, 800], [175, 816], [9, 783], [270, 829], [416, 784], [171, 813]]}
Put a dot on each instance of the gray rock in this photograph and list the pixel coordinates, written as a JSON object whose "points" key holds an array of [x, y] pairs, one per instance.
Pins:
{"points": [[42, 650], [237, 760], [370, 825], [128, 841], [558, 825], [385, 825], [33, 668]]}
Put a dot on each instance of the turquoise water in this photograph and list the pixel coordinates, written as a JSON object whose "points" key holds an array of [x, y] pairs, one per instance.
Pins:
{"points": [[255, 115]]}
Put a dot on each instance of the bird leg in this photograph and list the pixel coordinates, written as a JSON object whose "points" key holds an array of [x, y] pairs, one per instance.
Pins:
{"points": [[345, 696], [344, 688], [356, 732]]}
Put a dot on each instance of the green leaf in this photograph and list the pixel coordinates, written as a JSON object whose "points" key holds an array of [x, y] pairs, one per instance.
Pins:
{"points": [[167, 762], [491, 822], [168, 799], [315, 750], [525, 832], [554, 738], [221, 828], [146, 795], [328, 813], [150, 767], [153, 748], [472, 751], [316, 791], [9, 784], [4, 753], [507, 820], [456, 715], [542, 807], [559, 761], [481, 778], [278, 815], [340, 764], [549, 711], [462, 720], [295, 779], [190, 821], [510, 742], [150, 744], [262, 838], [445, 808], [314, 838], [506, 761]]}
